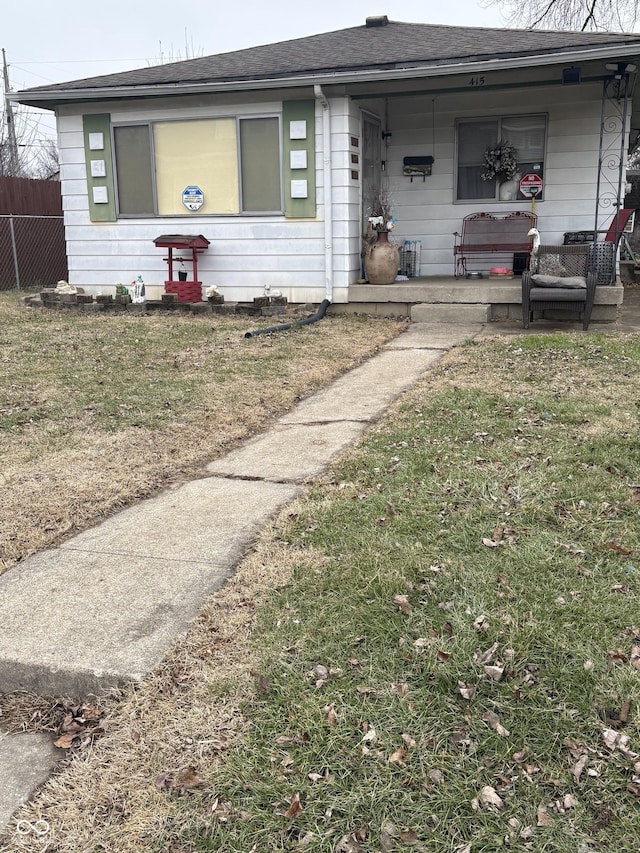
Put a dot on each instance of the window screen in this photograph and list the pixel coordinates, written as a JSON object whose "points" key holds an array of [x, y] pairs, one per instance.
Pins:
{"points": [[260, 158], [134, 170]]}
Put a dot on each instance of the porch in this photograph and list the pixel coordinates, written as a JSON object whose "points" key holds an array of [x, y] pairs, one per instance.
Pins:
{"points": [[447, 299]]}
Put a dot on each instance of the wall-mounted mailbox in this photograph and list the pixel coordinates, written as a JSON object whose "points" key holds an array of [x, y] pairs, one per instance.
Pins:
{"points": [[417, 166]]}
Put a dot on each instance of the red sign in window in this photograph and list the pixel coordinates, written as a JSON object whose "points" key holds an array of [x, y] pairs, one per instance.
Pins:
{"points": [[531, 185]]}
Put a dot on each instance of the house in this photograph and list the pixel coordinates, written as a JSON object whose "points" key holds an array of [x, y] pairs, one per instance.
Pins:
{"points": [[272, 153]]}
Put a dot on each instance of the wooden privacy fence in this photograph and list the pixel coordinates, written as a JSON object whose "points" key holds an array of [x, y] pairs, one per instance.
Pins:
{"points": [[33, 252]]}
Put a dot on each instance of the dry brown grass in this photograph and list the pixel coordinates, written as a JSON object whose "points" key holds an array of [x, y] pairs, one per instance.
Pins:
{"points": [[99, 411]]}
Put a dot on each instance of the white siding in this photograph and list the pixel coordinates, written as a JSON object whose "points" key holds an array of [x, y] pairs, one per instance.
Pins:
{"points": [[246, 253]]}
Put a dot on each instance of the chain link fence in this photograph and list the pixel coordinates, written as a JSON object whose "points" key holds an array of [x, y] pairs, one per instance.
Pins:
{"points": [[33, 252]]}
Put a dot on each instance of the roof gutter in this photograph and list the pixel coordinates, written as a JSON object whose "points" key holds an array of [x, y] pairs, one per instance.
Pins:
{"points": [[324, 78], [327, 190]]}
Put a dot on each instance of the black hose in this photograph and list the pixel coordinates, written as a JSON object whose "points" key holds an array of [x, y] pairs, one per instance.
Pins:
{"points": [[322, 310]]}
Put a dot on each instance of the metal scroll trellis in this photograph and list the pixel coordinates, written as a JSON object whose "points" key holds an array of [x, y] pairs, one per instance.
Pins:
{"points": [[611, 162]]}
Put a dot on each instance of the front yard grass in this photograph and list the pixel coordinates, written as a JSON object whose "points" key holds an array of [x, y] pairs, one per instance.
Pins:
{"points": [[436, 649], [100, 410]]}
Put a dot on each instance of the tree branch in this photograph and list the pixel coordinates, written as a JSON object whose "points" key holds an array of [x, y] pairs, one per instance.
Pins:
{"points": [[591, 16]]}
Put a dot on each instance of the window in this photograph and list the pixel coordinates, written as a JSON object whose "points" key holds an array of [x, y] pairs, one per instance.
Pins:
{"points": [[260, 157], [526, 133], [234, 161], [134, 169]]}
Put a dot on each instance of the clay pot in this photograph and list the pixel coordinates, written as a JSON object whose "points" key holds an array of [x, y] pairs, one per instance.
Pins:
{"points": [[382, 260]]}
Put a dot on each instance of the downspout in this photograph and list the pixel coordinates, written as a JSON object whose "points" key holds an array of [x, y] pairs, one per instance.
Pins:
{"points": [[328, 194]]}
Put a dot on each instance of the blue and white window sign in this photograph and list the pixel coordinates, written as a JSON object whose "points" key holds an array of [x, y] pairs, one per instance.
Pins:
{"points": [[192, 198]]}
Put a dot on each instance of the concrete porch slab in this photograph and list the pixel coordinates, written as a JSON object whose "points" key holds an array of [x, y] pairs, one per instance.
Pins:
{"points": [[450, 313], [436, 336]]}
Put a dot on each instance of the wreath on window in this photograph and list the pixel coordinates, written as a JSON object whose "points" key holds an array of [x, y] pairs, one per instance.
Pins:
{"points": [[499, 161]]}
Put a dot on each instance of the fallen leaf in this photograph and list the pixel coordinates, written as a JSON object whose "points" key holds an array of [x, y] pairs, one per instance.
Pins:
{"points": [[187, 778], [490, 543], [493, 720], [543, 816], [182, 779], [409, 836], [620, 549], [370, 736], [634, 657], [616, 740], [466, 690], [408, 741], [398, 756], [65, 741], [443, 657], [387, 843], [294, 808], [579, 766], [436, 776], [263, 684], [490, 797], [485, 657], [330, 714], [617, 657], [402, 603], [348, 844], [481, 623], [495, 673]]}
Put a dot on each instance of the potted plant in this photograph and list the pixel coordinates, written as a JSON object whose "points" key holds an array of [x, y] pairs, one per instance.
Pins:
{"points": [[381, 258]]}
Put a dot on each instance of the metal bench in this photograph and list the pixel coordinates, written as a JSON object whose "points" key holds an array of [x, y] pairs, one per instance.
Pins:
{"points": [[492, 239]]}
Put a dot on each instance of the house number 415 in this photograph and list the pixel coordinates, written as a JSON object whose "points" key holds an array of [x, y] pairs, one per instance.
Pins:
{"points": [[476, 81]]}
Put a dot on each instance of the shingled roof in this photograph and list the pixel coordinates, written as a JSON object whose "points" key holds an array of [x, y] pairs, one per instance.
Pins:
{"points": [[376, 46]]}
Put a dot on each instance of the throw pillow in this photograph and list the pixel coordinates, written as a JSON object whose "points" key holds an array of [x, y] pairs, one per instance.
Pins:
{"points": [[551, 265]]}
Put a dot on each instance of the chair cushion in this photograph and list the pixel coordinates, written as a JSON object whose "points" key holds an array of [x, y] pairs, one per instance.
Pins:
{"points": [[557, 294], [573, 281]]}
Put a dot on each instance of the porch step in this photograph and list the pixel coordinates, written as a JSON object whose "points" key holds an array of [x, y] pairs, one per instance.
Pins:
{"points": [[450, 312]]}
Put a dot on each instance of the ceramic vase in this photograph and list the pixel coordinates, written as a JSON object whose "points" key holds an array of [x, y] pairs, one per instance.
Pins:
{"points": [[382, 260]]}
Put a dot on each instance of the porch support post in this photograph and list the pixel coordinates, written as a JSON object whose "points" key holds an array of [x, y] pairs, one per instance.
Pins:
{"points": [[327, 190]]}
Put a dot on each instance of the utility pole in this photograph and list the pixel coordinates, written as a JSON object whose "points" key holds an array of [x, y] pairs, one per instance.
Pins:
{"points": [[12, 142]]}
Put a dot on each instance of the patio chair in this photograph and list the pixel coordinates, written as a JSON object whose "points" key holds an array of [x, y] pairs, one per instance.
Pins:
{"points": [[561, 279]]}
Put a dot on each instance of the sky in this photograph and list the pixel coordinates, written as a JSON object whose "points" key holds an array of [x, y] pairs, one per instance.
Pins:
{"points": [[49, 42]]}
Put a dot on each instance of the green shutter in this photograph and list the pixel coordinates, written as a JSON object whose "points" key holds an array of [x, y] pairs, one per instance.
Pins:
{"points": [[97, 148], [297, 112]]}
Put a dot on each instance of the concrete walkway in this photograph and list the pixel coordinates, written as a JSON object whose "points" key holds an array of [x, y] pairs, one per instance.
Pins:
{"points": [[104, 607]]}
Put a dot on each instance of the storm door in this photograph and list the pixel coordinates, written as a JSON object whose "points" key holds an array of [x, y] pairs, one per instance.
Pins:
{"points": [[371, 164]]}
